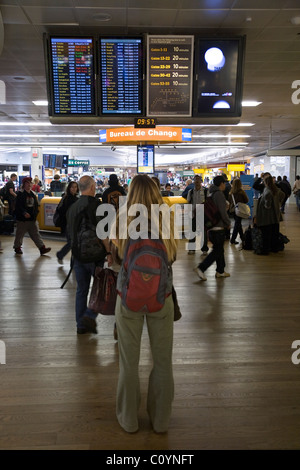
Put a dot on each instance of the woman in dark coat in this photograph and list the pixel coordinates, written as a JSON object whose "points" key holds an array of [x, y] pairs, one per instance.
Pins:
{"points": [[70, 197]]}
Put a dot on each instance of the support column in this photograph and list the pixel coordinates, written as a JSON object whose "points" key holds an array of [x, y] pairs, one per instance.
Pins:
{"points": [[37, 163]]}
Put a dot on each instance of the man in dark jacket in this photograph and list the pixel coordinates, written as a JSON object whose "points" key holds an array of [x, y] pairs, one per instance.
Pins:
{"points": [[11, 193], [114, 186], [284, 185], [217, 233], [87, 205], [26, 213]]}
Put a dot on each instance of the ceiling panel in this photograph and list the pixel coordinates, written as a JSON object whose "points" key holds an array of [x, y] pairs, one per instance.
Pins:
{"points": [[272, 61]]}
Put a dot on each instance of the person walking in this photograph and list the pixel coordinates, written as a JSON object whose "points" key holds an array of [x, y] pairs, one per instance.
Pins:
{"points": [[237, 194], [197, 195], [11, 194], [217, 233], [296, 191], [144, 191], [26, 214], [84, 210], [71, 196]]}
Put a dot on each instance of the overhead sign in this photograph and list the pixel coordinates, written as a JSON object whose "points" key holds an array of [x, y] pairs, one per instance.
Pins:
{"points": [[236, 167], [159, 134], [169, 75], [78, 162]]}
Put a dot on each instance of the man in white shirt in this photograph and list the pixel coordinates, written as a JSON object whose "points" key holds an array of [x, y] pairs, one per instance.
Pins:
{"points": [[197, 195]]}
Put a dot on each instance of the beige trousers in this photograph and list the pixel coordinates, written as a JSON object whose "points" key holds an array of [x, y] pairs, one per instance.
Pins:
{"points": [[161, 383], [31, 227]]}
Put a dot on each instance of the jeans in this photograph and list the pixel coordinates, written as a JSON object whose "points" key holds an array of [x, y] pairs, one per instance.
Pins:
{"points": [[217, 237], [237, 229], [83, 273], [66, 248], [204, 246]]}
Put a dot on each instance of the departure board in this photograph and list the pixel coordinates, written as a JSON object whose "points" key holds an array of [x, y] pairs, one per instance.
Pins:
{"points": [[121, 75], [73, 76], [169, 75]]}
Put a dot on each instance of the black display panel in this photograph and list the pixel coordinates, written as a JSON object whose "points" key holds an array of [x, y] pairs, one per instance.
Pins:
{"points": [[170, 75], [71, 70], [49, 160], [145, 159], [121, 76], [219, 77]]}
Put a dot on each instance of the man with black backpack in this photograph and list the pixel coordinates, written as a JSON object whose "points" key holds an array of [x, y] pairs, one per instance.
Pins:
{"points": [[217, 232], [113, 192], [88, 251]]}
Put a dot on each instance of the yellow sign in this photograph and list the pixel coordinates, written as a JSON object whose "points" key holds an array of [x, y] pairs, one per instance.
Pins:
{"points": [[157, 134], [236, 167], [199, 170]]}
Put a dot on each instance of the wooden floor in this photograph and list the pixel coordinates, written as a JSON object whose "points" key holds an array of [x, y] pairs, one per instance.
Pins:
{"points": [[235, 384]]}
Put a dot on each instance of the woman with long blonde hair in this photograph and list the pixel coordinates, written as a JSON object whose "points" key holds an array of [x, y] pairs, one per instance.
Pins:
{"points": [[144, 192]]}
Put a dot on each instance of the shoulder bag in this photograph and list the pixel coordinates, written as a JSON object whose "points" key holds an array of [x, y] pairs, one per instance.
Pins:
{"points": [[241, 209]]}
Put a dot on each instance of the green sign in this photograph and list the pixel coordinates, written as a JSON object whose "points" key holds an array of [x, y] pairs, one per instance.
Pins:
{"points": [[78, 162]]}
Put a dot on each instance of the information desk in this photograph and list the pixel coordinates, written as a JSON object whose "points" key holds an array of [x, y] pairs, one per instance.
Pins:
{"points": [[47, 207]]}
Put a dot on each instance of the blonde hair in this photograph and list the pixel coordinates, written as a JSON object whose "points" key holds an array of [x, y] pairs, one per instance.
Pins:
{"points": [[143, 190]]}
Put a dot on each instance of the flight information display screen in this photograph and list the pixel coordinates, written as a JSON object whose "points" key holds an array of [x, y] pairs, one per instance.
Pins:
{"points": [[73, 76], [121, 75], [169, 75], [145, 159]]}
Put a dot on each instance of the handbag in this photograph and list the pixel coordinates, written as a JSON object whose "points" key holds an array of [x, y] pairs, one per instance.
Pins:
{"points": [[104, 293], [177, 312], [241, 209]]}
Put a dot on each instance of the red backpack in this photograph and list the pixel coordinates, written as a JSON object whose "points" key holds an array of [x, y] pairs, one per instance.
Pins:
{"points": [[144, 282]]}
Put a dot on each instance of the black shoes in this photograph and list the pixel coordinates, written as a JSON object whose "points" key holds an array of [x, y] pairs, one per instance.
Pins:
{"points": [[115, 332], [81, 331], [90, 325]]}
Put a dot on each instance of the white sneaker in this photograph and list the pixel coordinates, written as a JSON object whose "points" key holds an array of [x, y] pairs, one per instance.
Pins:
{"points": [[191, 252], [60, 261], [200, 274], [204, 253], [222, 275]]}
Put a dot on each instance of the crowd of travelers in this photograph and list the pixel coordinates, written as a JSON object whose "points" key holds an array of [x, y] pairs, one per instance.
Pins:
{"points": [[80, 216]]}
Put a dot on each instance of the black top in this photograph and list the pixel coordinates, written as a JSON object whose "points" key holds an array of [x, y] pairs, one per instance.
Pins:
{"points": [[26, 202]]}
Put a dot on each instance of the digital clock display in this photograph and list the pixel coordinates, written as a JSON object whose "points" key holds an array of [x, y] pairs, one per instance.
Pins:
{"points": [[144, 122]]}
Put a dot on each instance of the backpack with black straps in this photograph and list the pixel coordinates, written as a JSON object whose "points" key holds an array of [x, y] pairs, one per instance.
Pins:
{"points": [[113, 198], [211, 213], [145, 279], [3, 193], [59, 214], [85, 245]]}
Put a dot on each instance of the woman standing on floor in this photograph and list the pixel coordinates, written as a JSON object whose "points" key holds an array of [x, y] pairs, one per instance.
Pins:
{"points": [[237, 194], [71, 196], [143, 190], [268, 215]]}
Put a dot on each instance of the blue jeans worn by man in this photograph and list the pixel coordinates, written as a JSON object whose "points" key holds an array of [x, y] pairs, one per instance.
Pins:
{"points": [[85, 317], [217, 238]]}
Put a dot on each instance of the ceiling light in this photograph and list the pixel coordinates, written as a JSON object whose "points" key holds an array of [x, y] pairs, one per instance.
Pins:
{"points": [[41, 103], [251, 103], [102, 17], [295, 20]]}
